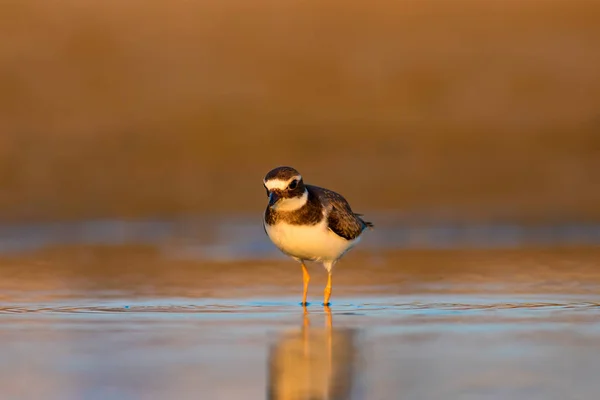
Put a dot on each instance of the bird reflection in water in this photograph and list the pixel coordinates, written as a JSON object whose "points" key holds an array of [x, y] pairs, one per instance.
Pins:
{"points": [[313, 363]]}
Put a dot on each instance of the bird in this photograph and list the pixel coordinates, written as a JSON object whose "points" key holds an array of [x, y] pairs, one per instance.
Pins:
{"points": [[309, 223]]}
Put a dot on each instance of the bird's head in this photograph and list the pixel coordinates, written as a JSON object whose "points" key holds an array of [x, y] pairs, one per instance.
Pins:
{"points": [[285, 189]]}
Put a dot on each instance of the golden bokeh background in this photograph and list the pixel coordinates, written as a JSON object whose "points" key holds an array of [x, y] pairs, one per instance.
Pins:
{"points": [[465, 109]]}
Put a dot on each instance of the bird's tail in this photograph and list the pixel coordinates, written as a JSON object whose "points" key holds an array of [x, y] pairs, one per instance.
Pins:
{"points": [[368, 224]]}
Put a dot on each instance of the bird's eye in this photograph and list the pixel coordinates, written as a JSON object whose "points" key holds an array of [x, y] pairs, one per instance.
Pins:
{"points": [[293, 184]]}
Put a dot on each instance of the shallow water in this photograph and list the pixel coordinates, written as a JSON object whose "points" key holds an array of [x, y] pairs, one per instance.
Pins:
{"points": [[86, 319], [459, 347]]}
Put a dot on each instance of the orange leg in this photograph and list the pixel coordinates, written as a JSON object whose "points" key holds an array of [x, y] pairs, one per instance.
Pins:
{"points": [[306, 279], [327, 291]]}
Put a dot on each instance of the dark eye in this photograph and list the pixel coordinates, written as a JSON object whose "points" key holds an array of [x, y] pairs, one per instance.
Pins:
{"points": [[293, 184]]}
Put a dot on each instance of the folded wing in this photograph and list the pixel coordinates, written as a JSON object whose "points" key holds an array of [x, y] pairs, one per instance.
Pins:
{"points": [[341, 219]]}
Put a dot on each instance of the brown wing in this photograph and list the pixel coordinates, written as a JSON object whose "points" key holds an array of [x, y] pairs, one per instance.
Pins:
{"points": [[341, 219]]}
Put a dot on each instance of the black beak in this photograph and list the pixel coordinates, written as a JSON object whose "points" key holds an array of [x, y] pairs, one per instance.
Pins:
{"points": [[273, 198]]}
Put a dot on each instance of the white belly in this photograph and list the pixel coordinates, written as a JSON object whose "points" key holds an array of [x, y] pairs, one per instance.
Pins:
{"points": [[313, 243]]}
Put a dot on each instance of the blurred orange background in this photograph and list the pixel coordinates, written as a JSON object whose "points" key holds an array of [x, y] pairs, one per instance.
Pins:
{"points": [[465, 109]]}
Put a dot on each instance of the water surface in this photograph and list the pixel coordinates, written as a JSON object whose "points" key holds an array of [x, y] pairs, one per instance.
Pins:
{"points": [[82, 317]]}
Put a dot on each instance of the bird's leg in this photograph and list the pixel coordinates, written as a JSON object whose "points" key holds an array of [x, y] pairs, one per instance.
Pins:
{"points": [[327, 290], [306, 279]]}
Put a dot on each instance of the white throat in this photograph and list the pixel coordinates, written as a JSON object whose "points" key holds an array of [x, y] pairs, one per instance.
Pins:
{"points": [[293, 204]]}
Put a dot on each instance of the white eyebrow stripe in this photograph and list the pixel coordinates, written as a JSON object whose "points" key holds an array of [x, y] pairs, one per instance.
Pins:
{"points": [[279, 184]]}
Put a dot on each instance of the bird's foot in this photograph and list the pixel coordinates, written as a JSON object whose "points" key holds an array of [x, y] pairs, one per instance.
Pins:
{"points": [[326, 304], [304, 303]]}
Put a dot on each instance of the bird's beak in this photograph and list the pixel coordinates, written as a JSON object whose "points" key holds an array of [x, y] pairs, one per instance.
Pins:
{"points": [[273, 199]]}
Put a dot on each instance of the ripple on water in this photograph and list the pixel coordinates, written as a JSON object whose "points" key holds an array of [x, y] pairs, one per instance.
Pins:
{"points": [[374, 306]]}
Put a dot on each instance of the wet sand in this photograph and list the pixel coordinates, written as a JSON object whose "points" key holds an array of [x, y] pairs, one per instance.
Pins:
{"points": [[135, 322]]}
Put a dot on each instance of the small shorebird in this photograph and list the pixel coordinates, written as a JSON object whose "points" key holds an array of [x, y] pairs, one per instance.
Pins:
{"points": [[309, 223]]}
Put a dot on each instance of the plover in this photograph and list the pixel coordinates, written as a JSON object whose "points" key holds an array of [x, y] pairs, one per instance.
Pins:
{"points": [[309, 223]]}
